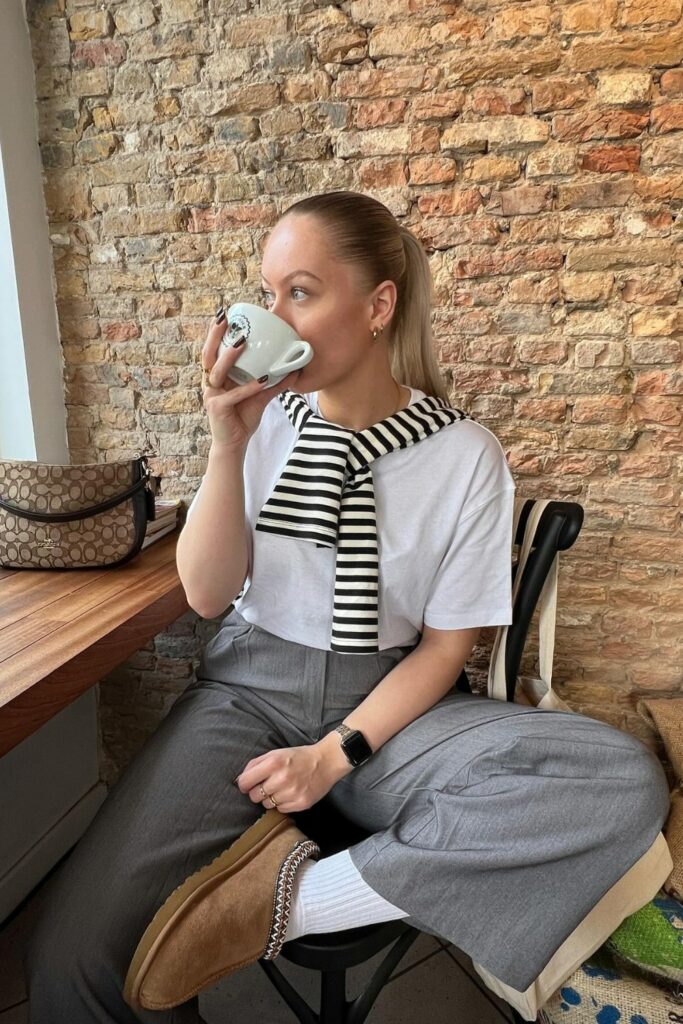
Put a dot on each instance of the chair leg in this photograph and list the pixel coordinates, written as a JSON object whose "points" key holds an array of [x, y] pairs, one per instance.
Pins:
{"points": [[333, 1003], [335, 1008], [296, 1003]]}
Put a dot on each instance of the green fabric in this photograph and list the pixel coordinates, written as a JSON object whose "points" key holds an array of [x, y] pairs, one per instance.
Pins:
{"points": [[652, 939]]}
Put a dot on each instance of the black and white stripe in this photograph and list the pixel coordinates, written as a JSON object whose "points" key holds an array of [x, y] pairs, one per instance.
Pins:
{"points": [[325, 495]]}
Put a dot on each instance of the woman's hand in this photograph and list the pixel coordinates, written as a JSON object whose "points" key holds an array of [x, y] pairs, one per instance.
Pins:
{"points": [[234, 410], [297, 777]]}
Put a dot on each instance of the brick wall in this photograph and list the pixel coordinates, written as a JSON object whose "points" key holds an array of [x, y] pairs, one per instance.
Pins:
{"points": [[536, 149]]}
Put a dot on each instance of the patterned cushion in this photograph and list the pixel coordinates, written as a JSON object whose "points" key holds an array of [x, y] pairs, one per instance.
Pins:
{"points": [[600, 992], [636, 977]]}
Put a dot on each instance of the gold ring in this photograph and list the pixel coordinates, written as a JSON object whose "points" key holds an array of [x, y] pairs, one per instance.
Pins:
{"points": [[267, 796]]}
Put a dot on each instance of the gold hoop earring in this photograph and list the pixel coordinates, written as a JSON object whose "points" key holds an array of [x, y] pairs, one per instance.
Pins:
{"points": [[376, 332]]}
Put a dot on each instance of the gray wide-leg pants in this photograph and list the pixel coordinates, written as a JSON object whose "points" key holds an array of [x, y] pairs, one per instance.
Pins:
{"points": [[497, 826]]}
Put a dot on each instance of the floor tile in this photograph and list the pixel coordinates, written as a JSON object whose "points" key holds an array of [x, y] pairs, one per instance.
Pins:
{"points": [[427, 978]]}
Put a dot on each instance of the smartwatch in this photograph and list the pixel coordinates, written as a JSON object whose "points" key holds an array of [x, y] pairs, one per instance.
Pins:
{"points": [[355, 746]]}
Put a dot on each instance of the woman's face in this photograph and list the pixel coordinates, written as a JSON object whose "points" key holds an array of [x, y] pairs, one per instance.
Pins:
{"points": [[320, 297]]}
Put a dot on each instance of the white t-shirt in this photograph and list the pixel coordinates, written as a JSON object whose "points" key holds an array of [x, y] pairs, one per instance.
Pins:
{"points": [[444, 524]]}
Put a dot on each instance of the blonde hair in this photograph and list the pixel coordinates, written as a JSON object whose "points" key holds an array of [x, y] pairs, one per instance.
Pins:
{"points": [[366, 234]]}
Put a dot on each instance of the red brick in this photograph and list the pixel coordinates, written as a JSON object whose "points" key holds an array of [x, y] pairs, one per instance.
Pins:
{"points": [[489, 382], [432, 170], [123, 331], [574, 465], [370, 82], [667, 117], [651, 291], [550, 410], [231, 216], [380, 173], [445, 232], [437, 105], [379, 112], [96, 53], [650, 12], [671, 82], [644, 547], [533, 350], [633, 464], [661, 188], [526, 199], [452, 203], [489, 101], [602, 409], [609, 159], [634, 49], [599, 124], [666, 411], [559, 94], [594, 194], [487, 349], [659, 382], [527, 292], [424, 139], [509, 261]]}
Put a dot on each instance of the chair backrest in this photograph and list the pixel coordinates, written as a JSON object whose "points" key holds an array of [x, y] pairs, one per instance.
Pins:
{"points": [[557, 529]]}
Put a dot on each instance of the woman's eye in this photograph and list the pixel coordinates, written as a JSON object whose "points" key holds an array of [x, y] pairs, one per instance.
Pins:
{"points": [[298, 293], [266, 298]]}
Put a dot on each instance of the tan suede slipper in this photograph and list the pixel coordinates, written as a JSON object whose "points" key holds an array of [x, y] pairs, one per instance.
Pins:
{"points": [[227, 915]]}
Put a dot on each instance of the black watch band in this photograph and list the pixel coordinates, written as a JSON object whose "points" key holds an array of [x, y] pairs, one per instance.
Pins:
{"points": [[354, 744]]}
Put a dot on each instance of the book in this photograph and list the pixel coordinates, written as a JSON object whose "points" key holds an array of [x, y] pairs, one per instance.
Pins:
{"points": [[166, 519], [151, 538]]}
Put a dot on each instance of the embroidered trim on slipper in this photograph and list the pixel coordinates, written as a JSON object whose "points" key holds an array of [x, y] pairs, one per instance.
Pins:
{"points": [[283, 895]]}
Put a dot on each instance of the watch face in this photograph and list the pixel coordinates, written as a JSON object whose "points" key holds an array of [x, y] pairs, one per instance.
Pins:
{"points": [[356, 748]]}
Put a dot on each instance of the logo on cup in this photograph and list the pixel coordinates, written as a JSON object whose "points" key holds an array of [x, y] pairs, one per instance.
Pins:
{"points": [[239, 324]]}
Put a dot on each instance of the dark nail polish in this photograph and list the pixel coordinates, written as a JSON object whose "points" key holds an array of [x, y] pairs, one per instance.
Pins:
{"points": [[219, 310], [220, 317], [262, 379], [239, 341]]}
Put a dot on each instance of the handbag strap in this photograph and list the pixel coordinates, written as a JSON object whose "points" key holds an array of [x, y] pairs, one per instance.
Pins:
{"points": [[92, 510], [547, 604]]}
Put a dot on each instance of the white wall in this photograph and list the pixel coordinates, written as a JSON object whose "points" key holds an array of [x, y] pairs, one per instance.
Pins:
{"points": [[32, 413]]}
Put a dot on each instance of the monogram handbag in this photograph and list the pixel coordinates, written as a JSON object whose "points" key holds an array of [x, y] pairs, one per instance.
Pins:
{"points": [[73, 517]]}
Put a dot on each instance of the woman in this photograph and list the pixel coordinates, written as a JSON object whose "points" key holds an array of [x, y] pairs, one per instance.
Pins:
{"points": [[362, 529]]}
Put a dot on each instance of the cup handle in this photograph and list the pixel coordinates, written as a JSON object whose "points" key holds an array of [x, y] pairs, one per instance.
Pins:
{"points": [[285, 365]]}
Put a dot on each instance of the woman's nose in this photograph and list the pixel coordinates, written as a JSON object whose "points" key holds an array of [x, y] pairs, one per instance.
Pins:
{"points": [[278, 308]]}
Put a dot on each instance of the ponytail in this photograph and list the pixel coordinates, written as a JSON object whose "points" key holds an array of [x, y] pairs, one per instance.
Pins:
{"points": [[411, 345]]}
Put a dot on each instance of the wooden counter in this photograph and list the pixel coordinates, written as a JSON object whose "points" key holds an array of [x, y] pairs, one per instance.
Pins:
{"points": [[62, 631]]}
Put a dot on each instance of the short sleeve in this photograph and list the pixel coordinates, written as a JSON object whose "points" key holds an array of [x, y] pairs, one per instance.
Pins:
{"points": [[472, 586]]}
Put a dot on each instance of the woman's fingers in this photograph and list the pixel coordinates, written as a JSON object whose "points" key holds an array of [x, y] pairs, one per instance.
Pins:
{"points": [[226, 356], [217, 329]]}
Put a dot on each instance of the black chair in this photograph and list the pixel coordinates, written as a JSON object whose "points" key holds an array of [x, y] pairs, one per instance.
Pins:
{"points": [[332, 954]]}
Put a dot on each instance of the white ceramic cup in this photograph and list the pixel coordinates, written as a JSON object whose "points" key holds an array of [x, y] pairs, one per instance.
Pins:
{"points": [[272, 346]]}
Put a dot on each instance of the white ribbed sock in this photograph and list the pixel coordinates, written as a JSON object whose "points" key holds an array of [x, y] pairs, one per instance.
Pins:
{"points": [[330, 895]]}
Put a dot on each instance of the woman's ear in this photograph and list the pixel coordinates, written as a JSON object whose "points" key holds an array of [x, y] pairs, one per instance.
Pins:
{"points": [[383, 303]]}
